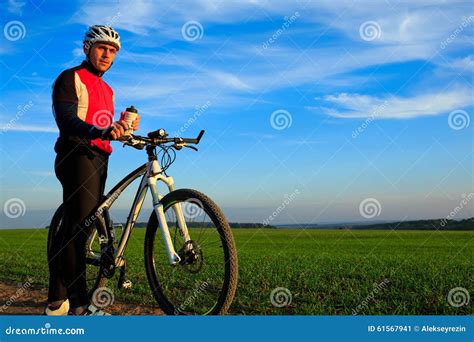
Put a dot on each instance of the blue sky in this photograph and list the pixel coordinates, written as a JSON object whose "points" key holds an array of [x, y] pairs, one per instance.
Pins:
{"points": [[310, 107]]}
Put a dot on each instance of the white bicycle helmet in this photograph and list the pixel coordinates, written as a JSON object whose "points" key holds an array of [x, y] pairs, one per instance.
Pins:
{"points": [[103, 34]]}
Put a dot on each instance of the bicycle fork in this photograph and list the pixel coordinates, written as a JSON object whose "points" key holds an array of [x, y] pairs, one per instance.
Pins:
{"points": [[154, 175]]}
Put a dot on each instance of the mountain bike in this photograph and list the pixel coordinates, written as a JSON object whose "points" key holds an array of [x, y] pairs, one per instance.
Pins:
{"points": [[191, 266]]}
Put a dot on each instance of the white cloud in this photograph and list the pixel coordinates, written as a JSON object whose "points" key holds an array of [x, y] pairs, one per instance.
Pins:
{"points": [[230, 80], [231, 65], [28, 128], [137, 16], [465, 64], [364, 106], [16, 7], [42, 173], [404, 23]]}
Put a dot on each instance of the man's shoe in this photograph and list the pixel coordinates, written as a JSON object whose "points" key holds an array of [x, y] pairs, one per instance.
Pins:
{"points": [[60, 310]]}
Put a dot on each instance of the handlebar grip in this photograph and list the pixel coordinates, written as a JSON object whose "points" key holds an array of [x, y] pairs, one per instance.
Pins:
{"points": [[194, 141], [200, 136]]}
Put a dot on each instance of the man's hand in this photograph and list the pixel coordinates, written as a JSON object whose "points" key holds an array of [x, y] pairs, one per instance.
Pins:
{"points": [[117, 129], [135, 123]]}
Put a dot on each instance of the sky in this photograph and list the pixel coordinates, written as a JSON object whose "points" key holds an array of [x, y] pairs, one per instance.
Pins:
{"points": [[315, 112]]}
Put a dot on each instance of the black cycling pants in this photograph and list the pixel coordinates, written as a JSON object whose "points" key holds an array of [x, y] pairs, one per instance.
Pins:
{"points": [[82, 174]]}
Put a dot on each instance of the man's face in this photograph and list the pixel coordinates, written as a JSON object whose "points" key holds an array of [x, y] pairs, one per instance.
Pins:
{"points": [[101, 55]]}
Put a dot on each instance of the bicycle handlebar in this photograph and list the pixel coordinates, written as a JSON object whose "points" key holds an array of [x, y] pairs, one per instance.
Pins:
{"points": [[159, 137]]}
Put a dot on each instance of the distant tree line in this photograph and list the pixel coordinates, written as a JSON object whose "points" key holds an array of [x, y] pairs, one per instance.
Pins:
{"points": [[440, 224]]}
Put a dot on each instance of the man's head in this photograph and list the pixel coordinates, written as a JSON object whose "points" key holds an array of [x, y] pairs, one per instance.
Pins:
{"points": [[100, 45]]}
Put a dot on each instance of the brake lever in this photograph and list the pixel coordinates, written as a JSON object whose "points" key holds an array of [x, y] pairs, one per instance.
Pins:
{"points": [[130, 142]]}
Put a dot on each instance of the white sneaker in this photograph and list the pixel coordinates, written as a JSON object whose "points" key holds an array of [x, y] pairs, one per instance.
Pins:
{"points": [[61, 311], [91, 311]]}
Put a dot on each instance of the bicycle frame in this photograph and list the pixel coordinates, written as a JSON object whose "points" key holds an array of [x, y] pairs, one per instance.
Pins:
{"points": [[151, 174]]}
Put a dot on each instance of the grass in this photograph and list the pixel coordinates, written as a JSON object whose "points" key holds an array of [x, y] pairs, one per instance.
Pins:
{"points": [[327, 271]]}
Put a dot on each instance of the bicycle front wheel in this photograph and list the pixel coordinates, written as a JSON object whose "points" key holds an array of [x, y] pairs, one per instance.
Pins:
{"points": [[205, 280]]}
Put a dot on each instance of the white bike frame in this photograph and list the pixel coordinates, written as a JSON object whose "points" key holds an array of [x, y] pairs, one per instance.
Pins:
{"points": [[152, 174]]}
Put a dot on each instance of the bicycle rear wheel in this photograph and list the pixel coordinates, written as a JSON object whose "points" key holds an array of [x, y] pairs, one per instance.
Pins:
{"points": [[94, 277], [205, 281]]}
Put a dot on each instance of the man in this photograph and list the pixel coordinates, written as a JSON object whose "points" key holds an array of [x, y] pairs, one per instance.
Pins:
{"points": [[83, 107]]}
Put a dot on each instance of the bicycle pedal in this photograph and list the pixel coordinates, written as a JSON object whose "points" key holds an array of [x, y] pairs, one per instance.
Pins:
{"points": [[126, 285]]}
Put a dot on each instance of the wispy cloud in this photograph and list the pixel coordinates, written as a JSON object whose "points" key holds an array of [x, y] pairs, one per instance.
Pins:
{"points": [[29, 128], [16, 7], [363, 106], [42, 173], [178, 76]]}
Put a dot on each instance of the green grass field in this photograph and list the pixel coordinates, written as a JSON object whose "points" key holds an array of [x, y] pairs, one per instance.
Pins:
{"points": [[327, 271]]}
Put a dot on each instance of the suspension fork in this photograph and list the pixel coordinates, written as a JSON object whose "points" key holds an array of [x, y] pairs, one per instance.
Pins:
{"points": [[154, 174]]}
